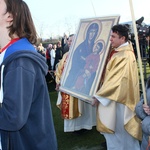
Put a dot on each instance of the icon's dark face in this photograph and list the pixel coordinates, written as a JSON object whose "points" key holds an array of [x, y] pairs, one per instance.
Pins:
{"points": [[97, 48], [92, 33]]}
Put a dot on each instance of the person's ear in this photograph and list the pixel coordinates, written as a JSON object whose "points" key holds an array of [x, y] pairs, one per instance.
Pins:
{"points": [[9, 17], [123, 38]]}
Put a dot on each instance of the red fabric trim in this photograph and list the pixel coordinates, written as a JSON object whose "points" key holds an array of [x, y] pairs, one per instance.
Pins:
{"points": [[10, 43]]}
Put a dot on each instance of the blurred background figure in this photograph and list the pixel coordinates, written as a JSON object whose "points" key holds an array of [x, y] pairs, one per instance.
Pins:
{"points": [[41, 49], [58, 54], [48, 56], [53, 55], [64, 41]]}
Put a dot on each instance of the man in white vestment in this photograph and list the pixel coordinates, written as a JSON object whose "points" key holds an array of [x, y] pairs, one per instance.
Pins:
{"points": [[76, 113]]}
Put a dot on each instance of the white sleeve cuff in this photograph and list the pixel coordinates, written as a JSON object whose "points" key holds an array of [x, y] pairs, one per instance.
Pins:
{"points": [[102, 100]]}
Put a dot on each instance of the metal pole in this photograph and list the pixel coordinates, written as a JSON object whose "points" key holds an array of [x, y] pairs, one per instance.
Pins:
{"points": [[93, 8]]}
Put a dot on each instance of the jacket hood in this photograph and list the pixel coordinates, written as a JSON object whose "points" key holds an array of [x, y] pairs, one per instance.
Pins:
{"points": [[36, 57], [33, 55]]}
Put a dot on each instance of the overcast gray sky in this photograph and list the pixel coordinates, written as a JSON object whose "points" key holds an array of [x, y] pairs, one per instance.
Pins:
{"points": [[53, 17]]}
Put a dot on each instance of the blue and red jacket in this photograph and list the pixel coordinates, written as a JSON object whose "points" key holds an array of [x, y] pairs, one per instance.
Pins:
{"points": [[26, 121]]}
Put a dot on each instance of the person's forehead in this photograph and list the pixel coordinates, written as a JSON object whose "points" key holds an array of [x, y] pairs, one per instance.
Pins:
{"points": [[70, 38], [114, 34]]}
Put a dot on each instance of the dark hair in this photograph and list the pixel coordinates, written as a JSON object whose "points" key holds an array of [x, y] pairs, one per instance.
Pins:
{"points": [[22, 23], [121, 30], [59, 42], [71, 35]]}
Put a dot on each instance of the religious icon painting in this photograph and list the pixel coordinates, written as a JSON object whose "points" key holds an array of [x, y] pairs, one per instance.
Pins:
{"points": [[87, 57]]}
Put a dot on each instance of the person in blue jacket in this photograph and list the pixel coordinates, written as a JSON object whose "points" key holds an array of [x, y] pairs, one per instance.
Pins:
{"points": [[26, 121]]}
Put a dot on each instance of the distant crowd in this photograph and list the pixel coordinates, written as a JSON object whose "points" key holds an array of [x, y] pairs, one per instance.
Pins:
{"points": [[54, 52]]}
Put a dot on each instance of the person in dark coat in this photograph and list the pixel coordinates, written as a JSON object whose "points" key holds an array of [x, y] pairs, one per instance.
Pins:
{"points": [[25, 108], [58, 54], [48, 56]]}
